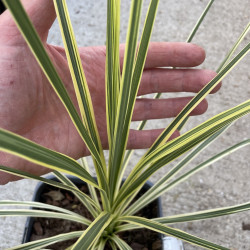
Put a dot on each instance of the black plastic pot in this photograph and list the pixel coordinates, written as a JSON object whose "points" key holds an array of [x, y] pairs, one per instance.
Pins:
{"points": [[2, 7], [40, 190]]}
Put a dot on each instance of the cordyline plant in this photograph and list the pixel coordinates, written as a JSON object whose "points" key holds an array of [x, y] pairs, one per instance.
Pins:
{"points": [[115, 213]]}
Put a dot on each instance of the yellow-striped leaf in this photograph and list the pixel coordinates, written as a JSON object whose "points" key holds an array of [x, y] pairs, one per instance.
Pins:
{"points": [[81, 86], [196, 100], [82, 196], [121, 244], [132, 72], [29, 33], [93, 232], [159, 186], [41, 214], [26, 149], [113, 74], [40, 244], [200, 215], [178, 146], [160, 228]]}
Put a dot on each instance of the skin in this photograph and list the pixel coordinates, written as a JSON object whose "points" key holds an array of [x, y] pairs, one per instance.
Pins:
{"points": [[30, 108]]}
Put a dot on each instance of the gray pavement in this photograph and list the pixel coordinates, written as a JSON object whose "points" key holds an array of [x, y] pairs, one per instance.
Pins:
{"points": [[222, 184]]}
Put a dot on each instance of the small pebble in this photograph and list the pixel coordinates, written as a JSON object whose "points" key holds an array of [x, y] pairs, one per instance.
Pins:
{"points": [[65, 202], [136, 246], [157, 245], [55, 195], [38, 228]]}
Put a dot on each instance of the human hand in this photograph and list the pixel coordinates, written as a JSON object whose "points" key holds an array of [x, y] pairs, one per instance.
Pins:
{"points": [[30, 108]]}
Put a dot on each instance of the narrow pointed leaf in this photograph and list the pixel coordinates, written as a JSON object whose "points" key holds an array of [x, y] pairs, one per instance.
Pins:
{"points": [[155, 191], [200, 20], [93, 232], [158, 95], [178, 146], [92, 190], [207, 163], [38, 244], [158, 227], [113, 74], [207, 214], [235, 46], [84, 199], [139, 67], [224, 62], [30, 35], [17, 145], [196, 134], [42, 214], [77, 73], [121, 244], [196, 100], [200, 215], [119, 142], [81, 86], [42, 206], [163, 186], [130, 85], [101, 244], [26, 175]]}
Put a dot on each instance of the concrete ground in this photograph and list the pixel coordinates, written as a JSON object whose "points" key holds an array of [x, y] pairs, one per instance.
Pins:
{"points": [[222, 184]]}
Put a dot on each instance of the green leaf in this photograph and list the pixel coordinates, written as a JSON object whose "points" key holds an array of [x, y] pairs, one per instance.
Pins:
{"points": [[160, 228], [84, 199], [93, 232], [196, 100], [121, 244], [207, 163], [158, 95], [200, 215], [163, 186], [48, 241], [139, 67], [131, 77], [26, 175], [81, 86], [113, 74], [101, 244], [159, 187], [30, 35], [113, 245], [92, 190], [177, 147], [235, 46], [118, 145], [42, 214], [199, 22], [19, 146], [207, 214], [77, 73], [224, 62], [43, 206]]}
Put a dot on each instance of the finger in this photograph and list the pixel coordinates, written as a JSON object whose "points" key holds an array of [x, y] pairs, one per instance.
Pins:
{"points": [[141, 139], [175, 80], [174, 54], [146, 109], [41, 13]]}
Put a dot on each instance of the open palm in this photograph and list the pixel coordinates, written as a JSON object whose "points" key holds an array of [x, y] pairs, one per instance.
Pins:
{"points": [[30, 107]]}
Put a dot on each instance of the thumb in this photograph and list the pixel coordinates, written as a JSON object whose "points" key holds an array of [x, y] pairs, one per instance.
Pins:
{"points": [[41, 13]]}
